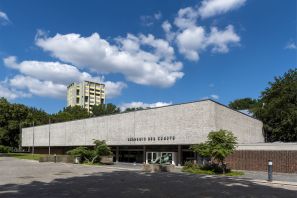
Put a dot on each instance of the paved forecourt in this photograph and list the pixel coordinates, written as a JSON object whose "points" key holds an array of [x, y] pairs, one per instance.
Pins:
{"points": [[25, 178]]}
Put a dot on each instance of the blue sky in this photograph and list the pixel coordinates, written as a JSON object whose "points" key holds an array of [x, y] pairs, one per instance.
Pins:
{"points": [[149, 53]]}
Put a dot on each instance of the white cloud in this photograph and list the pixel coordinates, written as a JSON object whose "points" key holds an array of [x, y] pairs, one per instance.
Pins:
{"points": [[186, 18], [4, 18], [191, 41], [167, 27], [211, 8], [291, 45], [143, 105], [10, 93], [113, 89], [37, 87], [147, 67], [221, 39], [194, 40], [50, 74], [49, 71]]}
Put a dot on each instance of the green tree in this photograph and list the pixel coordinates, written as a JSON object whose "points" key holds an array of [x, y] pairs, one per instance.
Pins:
{"points": [[243, 104], [101, 149], [218, 146], [105, 109], [70, 113], [91, 155], [277, 108], [15, 116], [129, 109]]}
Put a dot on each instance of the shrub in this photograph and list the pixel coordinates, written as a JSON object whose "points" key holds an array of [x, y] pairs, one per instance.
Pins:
{"points": [[83, 152], [191, 165], [5, 149], [91, 155]]}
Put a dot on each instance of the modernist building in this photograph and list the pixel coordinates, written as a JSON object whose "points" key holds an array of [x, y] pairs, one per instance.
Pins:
{"points": [[85, 94], [142, 136]]}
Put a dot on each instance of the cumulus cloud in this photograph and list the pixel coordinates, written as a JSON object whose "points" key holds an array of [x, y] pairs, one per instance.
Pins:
{"points": [[221, 39], [191, 41], [186, 18], [10, 93], [55, 76], [143, 105], [211, 8], [38, 87], [194, 40], [4, 18], [156, 66], [191, 38], [167, 27]]}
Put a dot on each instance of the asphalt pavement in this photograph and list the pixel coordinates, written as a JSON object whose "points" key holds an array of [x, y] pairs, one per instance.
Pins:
{"points": [[25, 178]]}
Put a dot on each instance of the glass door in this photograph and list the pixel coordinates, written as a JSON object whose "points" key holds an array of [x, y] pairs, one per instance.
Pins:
{"points": [[151, 157]]}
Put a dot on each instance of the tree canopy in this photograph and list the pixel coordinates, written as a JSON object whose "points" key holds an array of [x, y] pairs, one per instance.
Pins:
{"points": [[243, 104], [276, 108], [105, 109], [133, 109], [15, 116], [218, 146], [70, 113]]}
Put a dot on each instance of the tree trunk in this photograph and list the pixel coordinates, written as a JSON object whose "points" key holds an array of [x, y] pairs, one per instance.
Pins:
{"points": [[94, 158]]}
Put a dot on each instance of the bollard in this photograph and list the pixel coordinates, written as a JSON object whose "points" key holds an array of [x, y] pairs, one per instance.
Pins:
{"points": [[55, 158], [269, 170]]}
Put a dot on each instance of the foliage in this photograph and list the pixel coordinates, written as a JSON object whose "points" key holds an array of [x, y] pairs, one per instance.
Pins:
{"points": [[208, 170], [218, 146], [129, 109], [101, 148], [84, 153], [15, 116], [202, 149], [243, 104], [105, 109], [278, 108], [70, 113], [189, 164], [5, 149], [90, 155]]}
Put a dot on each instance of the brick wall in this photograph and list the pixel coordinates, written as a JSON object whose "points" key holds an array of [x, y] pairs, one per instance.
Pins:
{"points": [[283, 161]]}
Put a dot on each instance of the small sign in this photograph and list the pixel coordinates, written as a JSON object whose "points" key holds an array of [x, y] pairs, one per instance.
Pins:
{"points": [[151, 139]]}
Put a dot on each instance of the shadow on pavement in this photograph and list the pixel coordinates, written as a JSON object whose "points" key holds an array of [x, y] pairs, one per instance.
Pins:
{"points": [[138, 184]]}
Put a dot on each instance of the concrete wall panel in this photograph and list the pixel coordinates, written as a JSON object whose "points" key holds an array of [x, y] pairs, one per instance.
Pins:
{"points": [[188, 123]]}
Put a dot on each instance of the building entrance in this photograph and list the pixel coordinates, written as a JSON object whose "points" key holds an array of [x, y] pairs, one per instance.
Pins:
{"points": [[155, 157]]}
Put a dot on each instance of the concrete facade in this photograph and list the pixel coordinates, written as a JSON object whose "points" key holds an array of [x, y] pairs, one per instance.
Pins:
{"points": [[181, 124]]}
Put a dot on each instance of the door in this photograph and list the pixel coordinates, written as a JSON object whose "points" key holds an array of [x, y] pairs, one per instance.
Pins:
{"points": [[151, 156]]}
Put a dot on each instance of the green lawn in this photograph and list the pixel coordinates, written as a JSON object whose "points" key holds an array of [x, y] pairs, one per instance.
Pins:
{"points": [[27, 156]]}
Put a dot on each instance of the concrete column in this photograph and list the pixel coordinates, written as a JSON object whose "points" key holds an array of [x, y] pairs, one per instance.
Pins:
{"points": [[117, 154], [179, 155], [144, 156]]}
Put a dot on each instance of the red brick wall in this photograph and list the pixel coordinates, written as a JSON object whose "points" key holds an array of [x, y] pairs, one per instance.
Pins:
{"points": [[283, 161]]}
